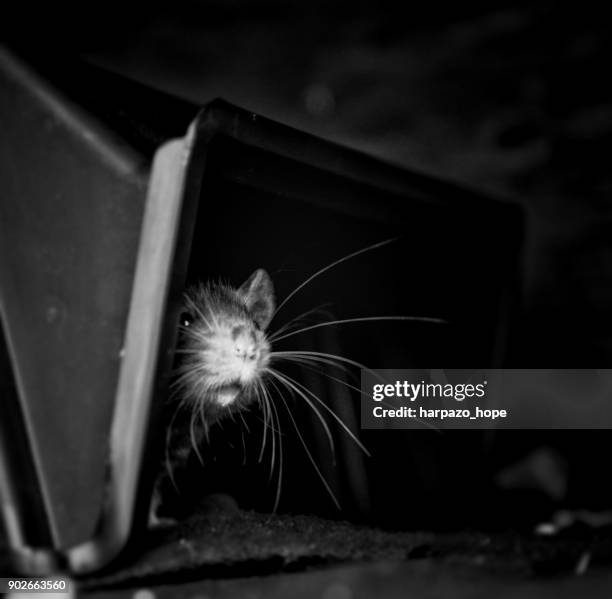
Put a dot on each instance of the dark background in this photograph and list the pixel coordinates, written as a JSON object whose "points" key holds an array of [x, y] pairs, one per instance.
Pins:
{"points": [[506, 97], [510, 99]]}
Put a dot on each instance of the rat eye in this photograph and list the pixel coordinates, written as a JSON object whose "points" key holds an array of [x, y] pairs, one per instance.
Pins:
{"points": [[186, 318]]}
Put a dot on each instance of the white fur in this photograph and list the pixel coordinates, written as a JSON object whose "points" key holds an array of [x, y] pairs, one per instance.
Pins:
{"points": [[230, 361]]}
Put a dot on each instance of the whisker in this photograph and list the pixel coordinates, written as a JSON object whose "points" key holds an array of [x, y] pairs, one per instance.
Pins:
{"points": [[194, 306], [334, 415], [261, 398], [296, 355], [201, 410], [289, 382], [280, 448], [353, 363], [244, 422], [333, 378], [363, 319], [268, 424], [313, 365], [282, 357], [264, 407], [192, 435], [332, 357], [184, 374], [326, 268], [268, 401], [244, 456], [295, 321], [309, 454]]}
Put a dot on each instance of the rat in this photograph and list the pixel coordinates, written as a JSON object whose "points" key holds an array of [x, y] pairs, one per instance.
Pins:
{"points": [[224, 353], [226, 365]]}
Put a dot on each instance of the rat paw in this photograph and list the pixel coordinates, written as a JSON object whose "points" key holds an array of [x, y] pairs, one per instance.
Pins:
{"points": [[156, 522]]}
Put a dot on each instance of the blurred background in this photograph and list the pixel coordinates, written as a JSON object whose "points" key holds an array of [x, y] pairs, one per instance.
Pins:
{"points": [[509, 98]]}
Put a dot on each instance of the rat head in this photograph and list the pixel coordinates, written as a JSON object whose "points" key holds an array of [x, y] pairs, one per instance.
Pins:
{"points": [[223, 346]]}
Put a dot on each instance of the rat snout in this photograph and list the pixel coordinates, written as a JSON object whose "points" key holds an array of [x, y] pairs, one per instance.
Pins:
{"points": [[246, 349], [250, 348]]}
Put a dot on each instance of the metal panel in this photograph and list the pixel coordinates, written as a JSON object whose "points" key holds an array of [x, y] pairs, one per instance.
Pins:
{"points": [[107, 204]]}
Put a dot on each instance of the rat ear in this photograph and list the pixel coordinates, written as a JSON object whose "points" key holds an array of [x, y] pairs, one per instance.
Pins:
{"points": [[258, 294]]}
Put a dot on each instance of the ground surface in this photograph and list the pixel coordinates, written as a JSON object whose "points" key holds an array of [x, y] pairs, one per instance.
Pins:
{"points": [[248, 554], [391, 580]]}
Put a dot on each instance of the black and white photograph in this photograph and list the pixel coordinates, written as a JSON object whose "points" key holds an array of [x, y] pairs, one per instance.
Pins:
{"points": [[305, 299]]}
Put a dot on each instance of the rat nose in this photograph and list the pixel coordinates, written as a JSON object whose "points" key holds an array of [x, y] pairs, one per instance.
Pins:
{"points": [[246, 351]]}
